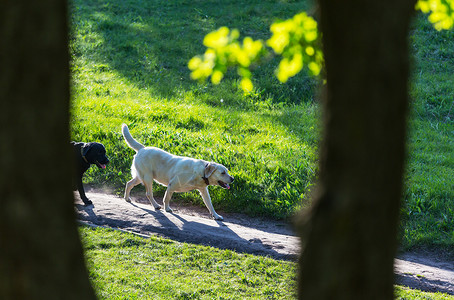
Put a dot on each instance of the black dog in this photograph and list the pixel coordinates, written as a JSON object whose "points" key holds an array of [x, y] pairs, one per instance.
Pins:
{"points": [[86, 154]]}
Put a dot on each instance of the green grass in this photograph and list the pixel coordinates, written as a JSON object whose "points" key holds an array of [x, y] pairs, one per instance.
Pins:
{"points": [[129, 65], [429, 194], [403, 293], [125, 266]]}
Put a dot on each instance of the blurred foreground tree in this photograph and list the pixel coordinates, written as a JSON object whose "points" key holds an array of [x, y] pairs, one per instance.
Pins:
{"points": [[349, 235], [40, 252]]}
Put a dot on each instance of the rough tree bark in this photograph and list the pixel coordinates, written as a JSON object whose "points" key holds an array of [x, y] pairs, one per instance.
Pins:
{"points": [[350, 234], [40, 252]]}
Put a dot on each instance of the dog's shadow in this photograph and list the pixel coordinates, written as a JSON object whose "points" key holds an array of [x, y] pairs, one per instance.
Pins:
{"points": [[87, 208], [218, 235], [163, 219]]}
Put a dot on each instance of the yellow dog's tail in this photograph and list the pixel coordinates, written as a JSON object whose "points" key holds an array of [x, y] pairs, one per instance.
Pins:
{"points": [[129, 139]]}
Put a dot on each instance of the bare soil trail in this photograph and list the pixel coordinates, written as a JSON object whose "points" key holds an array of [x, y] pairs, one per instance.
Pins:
{"points": [[240, 233]]}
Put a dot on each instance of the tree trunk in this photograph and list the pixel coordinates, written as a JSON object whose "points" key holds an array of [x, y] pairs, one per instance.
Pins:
{"points": [[40, 252], [350, 234]]}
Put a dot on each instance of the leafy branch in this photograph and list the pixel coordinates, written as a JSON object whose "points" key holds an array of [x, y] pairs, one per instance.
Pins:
{"points": [[296, 40]]}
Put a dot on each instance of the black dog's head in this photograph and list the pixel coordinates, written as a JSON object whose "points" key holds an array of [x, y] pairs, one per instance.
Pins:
{"points": [[95, 153]]}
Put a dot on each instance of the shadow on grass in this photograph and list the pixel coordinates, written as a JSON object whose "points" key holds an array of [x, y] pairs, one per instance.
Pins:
{"points": [[150, 42]]}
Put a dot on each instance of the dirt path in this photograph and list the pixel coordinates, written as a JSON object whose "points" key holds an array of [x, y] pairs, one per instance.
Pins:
{"points": [[239, 233]]}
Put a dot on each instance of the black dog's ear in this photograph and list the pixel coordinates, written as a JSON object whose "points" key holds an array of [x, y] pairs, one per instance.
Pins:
{"points": [[85, 148]]}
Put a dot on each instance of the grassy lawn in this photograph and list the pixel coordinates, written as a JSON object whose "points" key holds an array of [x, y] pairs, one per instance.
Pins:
{"points": [[123, 265], [429, 194], [129, 65], [403, 293]]}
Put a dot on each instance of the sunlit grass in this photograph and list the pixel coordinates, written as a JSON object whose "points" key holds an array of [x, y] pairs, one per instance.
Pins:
{"points": [[124, 266], [129, 65], [125, 71]]}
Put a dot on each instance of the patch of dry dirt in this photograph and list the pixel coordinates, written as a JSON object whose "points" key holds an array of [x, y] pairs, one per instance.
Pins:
{"points": [[240, 233]]}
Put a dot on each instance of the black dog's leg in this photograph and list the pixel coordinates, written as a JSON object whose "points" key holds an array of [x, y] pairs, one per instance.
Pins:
{"points": [[81, 190]]}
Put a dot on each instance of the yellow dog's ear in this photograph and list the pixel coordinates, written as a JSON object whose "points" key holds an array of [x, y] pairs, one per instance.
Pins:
{"points": [[209, 169]]}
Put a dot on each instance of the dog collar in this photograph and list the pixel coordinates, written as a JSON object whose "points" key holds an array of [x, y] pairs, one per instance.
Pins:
{"points": [[82, 154], [206, 180]]}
